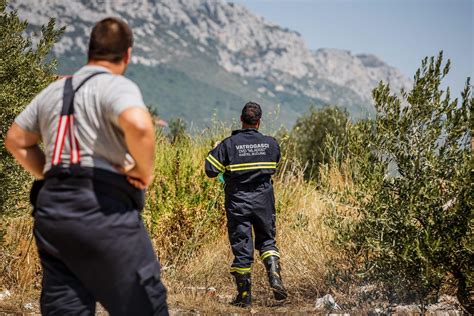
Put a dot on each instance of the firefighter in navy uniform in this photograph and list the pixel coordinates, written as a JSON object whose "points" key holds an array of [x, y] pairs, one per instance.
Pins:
{"points": [[247, 159]]}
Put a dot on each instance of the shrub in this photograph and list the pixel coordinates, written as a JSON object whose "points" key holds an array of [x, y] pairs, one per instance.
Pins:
{"points": [[412, 168], [313, 132], [177, 128], [24, 71], [184, 207]]}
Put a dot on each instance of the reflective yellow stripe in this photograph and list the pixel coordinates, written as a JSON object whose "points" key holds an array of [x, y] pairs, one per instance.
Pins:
{"points": [[215, 163], [269, 253], [273, 163], [250, 168], [240, 270]]}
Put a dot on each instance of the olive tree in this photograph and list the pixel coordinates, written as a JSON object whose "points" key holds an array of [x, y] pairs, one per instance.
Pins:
{"points": [[24, 71], [412, 167]]}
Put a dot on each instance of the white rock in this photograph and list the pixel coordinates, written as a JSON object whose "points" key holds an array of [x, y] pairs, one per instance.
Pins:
{"points": [[407, 309], [326, 302], [446, 304], [28, 306], [211, 291], [5, 294], [279, 88]]}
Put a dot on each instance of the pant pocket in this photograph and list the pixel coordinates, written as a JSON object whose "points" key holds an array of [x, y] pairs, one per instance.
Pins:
{"points": [[150, 279]]}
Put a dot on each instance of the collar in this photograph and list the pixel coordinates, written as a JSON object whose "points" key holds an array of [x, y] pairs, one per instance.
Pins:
{"points": [[91, 68], [245, 130]]}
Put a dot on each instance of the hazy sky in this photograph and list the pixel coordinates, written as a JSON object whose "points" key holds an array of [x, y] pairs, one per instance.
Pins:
{"points": [[400, 32]]}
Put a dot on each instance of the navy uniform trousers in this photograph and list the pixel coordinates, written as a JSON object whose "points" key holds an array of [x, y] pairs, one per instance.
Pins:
{"points": [[93, 246], [250, 205]]}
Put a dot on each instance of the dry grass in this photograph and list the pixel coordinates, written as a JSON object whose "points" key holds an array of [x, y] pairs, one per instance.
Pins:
{"points": [[19, 265], [304, 242], [186, 220]]}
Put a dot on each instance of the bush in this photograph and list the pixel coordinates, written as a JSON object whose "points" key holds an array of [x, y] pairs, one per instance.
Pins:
{"points": [[24, 72], [412, 173], [184, 206], [313, 132], [177, 128]]}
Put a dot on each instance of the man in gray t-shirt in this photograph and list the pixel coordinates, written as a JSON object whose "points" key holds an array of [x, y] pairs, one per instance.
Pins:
{"points": [[97, 109], [98, 158]]}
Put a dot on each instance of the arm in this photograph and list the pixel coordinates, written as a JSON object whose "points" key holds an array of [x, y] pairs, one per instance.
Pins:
{"points": [[139, 132], [215, 161], [23, 145]]}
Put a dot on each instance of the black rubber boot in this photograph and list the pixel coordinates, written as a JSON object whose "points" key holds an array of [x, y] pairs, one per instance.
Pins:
{"points": [[272, 264], [244, 287]]}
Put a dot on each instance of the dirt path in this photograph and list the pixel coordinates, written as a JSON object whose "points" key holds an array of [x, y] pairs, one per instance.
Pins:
{"points": [[198, 302]]}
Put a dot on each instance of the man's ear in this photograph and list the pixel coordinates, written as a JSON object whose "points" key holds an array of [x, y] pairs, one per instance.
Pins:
{"points": [[127, 57], [241, 119]]}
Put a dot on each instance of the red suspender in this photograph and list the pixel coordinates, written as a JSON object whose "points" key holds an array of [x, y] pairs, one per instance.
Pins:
{"points": [[60, 138], [67, 124]]}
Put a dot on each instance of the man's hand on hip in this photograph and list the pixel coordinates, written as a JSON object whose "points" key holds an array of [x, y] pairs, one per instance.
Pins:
{"points": [[135, 178], [23, 145]]}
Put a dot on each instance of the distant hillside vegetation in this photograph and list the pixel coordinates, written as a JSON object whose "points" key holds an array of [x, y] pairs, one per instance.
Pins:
{"points": [[197, 57]]}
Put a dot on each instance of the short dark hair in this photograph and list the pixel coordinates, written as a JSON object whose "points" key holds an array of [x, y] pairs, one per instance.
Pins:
{"points": [[251, 113], [110, 40]]}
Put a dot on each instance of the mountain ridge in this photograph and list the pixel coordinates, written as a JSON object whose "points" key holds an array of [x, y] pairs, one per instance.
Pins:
{"points": [[223, 48]]}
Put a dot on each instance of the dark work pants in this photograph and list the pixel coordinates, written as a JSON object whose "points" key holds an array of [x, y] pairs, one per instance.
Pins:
{"points": [[94, 247], [247, 206]]}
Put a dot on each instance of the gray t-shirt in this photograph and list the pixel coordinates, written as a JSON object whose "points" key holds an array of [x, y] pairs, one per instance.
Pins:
{"points": [[97, 105]]}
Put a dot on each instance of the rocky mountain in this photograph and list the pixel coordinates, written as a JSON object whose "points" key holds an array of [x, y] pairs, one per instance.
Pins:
{"points": [[200, 59]]}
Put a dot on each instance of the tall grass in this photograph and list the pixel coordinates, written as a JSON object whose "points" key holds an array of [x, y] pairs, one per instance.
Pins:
{"points": [[185, 216], [183, 205]]}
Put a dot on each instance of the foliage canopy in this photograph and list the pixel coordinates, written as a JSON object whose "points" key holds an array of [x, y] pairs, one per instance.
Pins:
{"points": [[315, 134], [412, 168], [24, 72]]}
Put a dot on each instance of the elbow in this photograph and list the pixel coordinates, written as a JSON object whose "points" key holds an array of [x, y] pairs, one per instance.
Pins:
{"points": [[10, 143], [18, 139]]}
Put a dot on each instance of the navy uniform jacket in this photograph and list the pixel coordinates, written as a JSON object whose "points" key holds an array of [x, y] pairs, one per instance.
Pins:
{"points": [[247, 156]]}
